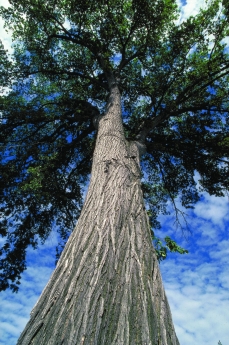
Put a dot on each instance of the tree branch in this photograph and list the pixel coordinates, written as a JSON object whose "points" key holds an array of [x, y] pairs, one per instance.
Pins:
{"points": [[198, 81]]}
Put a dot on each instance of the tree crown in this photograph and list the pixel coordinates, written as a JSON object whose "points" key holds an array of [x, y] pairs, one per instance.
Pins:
{"points": [[173, 79]]}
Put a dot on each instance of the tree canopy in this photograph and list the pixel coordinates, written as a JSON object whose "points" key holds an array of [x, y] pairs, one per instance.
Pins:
{"points": [[173, 80]]}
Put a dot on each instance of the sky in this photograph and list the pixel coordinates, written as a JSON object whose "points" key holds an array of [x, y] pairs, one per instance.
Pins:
{"points": [[197, 284]]}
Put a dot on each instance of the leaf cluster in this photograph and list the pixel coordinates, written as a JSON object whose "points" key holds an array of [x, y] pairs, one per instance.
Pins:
{"points": [[162, 247]]}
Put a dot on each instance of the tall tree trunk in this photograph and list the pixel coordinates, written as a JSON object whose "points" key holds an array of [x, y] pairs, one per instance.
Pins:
{"points": [[106, 288]]}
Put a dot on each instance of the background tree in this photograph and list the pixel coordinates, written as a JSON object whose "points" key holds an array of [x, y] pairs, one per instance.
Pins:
{"points": [[68, 57]]}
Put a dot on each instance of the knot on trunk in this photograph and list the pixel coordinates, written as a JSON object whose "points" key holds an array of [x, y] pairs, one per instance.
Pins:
{"points": [[136, 149], [107, 163]]}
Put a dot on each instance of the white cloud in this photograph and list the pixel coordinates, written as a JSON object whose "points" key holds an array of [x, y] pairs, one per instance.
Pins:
{"points": [[191, 8], [222, 251], [4, 36], [197, 284], [214, 209], [16, 308], [198, 300]]}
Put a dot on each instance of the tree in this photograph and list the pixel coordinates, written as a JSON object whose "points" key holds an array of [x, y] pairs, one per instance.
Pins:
{"points": [[123, 83]]}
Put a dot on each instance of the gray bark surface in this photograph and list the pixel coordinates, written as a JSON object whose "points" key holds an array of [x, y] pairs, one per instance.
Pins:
{"points": [[107, 287]]}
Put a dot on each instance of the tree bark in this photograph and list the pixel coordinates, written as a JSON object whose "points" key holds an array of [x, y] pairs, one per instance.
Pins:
{"points": [[106, 288]]}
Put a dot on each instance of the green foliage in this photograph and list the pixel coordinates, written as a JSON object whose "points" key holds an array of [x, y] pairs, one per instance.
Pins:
{"points": [[162, 247], [174, 84], [4, 68]]}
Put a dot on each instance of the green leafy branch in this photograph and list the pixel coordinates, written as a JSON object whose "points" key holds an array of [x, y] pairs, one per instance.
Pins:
{"points": [[162, 247], [35, 179], [37, 174]]}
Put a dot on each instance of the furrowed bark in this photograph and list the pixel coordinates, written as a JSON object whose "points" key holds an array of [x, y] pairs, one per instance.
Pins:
{"points": [[106, 288]]}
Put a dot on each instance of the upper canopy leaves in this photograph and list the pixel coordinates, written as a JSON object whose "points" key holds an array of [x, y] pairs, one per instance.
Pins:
{"points": [[174, 84]]}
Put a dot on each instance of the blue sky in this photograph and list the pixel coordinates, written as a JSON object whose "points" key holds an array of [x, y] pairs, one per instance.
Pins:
{"points": [[197, 284]]}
